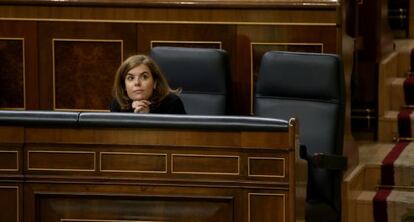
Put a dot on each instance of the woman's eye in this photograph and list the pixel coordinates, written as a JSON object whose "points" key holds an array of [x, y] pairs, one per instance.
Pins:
{"points": [[145, 76], [129, 78]]}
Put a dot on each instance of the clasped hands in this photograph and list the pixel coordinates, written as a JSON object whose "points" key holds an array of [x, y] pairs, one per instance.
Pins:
{"points": [[141, 106]]}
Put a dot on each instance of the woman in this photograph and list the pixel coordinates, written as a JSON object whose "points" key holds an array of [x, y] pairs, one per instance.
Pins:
{"points": [[140, 87]]}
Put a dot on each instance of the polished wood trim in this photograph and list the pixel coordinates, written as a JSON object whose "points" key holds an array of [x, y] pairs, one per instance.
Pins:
{"points": [[81, 110], [297, 169], [186, 3], [288, 43], [173, 22], [61, 152], [132, 153], [283, 175], [100, 220], [141, 136], [187, 42], [208, 156], [264, 140], [248, 16]]}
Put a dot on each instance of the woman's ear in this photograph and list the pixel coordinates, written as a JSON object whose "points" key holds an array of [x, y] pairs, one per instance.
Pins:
{"points": [[155, 84]]}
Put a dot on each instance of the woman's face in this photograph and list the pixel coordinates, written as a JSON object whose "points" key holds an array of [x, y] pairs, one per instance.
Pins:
{"points": [[139, 83]]}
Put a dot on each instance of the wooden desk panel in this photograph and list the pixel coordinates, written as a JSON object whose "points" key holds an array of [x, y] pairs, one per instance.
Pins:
{"points": [[137, 174]]}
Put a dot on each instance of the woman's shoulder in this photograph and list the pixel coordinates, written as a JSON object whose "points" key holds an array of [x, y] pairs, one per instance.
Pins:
{"points": [[171, 104], [172, 97]]}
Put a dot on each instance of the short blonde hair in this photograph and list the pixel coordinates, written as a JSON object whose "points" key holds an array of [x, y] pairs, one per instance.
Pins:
{"points": [[161, 90]]}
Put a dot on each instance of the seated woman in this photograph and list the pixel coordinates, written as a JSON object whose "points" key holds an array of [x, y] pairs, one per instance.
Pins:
{"points": [[140, 87]]}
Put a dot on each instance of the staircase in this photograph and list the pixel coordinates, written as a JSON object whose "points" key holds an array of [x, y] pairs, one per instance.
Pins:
{"points": [[380, 202], [392, 73], [381, 189]]}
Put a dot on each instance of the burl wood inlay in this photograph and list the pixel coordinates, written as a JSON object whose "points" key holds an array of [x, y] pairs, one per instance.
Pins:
{"points": [[84, 73], [11, 73]]}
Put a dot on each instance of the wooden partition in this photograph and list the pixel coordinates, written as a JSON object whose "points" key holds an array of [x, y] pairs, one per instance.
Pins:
{"points": [[64, 173], [63, 55]]}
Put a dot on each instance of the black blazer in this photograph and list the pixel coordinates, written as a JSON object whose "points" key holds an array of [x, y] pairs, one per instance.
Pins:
{"points": [[171, 104]]}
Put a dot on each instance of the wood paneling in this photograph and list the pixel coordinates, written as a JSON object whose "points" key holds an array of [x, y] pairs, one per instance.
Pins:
{"points": [[9, 203], [283, 13], [205, 164], [190, 44], [169, 3], [152, 205], [58, 160], [133, 162], [12, 135], [93, 62], [9, 160], [85, 29], [267, 207], [267, 167], [85, 61], [18, 65], [151, 174], [12, 73]]}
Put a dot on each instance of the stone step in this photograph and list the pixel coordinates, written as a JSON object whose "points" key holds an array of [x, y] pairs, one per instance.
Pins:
{"points": [[400, 206], [373, 155], [388, 127], [361, 185]]}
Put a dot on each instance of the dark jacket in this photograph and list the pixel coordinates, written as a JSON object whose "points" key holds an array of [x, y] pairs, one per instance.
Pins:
{"points": [[171, 104]]}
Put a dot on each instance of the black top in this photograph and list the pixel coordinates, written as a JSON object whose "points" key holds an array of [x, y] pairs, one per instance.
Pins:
{"points": [[171, 104]]}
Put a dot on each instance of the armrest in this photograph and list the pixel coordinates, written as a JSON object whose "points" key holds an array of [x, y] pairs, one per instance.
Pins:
{"points": [[321, 160]]}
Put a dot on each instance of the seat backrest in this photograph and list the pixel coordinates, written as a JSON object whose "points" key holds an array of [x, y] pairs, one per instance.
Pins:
{"points": [[310, 87], [201, 73]]}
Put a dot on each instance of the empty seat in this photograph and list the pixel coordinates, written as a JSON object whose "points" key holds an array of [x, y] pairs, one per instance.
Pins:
{"points": [[201, 73], [309, 87]]}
